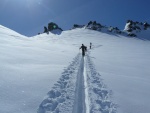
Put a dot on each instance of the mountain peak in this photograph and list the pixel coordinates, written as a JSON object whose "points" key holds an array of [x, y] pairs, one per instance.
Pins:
{"points": [[132, 29]]}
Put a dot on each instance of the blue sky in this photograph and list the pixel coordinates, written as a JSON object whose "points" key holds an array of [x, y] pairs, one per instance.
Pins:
{"points": [[28, 17]]}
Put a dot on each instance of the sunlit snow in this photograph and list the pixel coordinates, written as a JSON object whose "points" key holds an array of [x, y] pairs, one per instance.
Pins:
{"points": [[41, 73]]}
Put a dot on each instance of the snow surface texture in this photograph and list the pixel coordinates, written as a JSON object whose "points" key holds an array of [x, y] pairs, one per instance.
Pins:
{"points": [[68, 94], [114, 75]]}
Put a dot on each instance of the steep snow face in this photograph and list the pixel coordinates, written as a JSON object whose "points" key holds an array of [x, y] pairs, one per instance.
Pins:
{"points": [[137, 27], [127, 26], [40, 73]]}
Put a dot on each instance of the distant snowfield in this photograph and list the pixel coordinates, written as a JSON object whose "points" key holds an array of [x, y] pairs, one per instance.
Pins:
{"points": [[47, 74]]}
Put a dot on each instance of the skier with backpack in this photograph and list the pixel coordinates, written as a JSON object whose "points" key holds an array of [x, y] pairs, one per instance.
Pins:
{"points": [[83, 49]]}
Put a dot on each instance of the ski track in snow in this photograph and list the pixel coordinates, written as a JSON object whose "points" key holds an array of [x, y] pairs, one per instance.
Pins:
{"points": [[99, 95], [79, 103], [80, 89]]}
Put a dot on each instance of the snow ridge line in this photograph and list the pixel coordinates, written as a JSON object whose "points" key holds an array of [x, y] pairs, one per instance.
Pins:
{"points": [[98, 93], [61, 98]]}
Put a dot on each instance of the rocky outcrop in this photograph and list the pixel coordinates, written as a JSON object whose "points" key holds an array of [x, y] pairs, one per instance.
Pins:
{"points": [[133, 28]]}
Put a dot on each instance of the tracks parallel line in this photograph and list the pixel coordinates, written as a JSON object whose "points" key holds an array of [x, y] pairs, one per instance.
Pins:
{"points": [[86, 88]]}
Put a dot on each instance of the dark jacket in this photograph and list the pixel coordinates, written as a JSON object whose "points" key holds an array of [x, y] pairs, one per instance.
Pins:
{"points": [[83, 49]]}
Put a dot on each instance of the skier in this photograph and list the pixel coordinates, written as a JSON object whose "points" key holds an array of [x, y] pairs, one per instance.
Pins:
{"points": [[90, 45], [83, 50]]}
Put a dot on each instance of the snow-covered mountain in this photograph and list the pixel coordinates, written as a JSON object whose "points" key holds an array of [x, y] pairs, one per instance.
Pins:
{"points": [[132, 29], [47, 73], [138, 28], [93, 25]]}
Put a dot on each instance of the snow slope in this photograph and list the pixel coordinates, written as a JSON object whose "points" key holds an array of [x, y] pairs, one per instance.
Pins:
{"points": [[47, 74]]}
